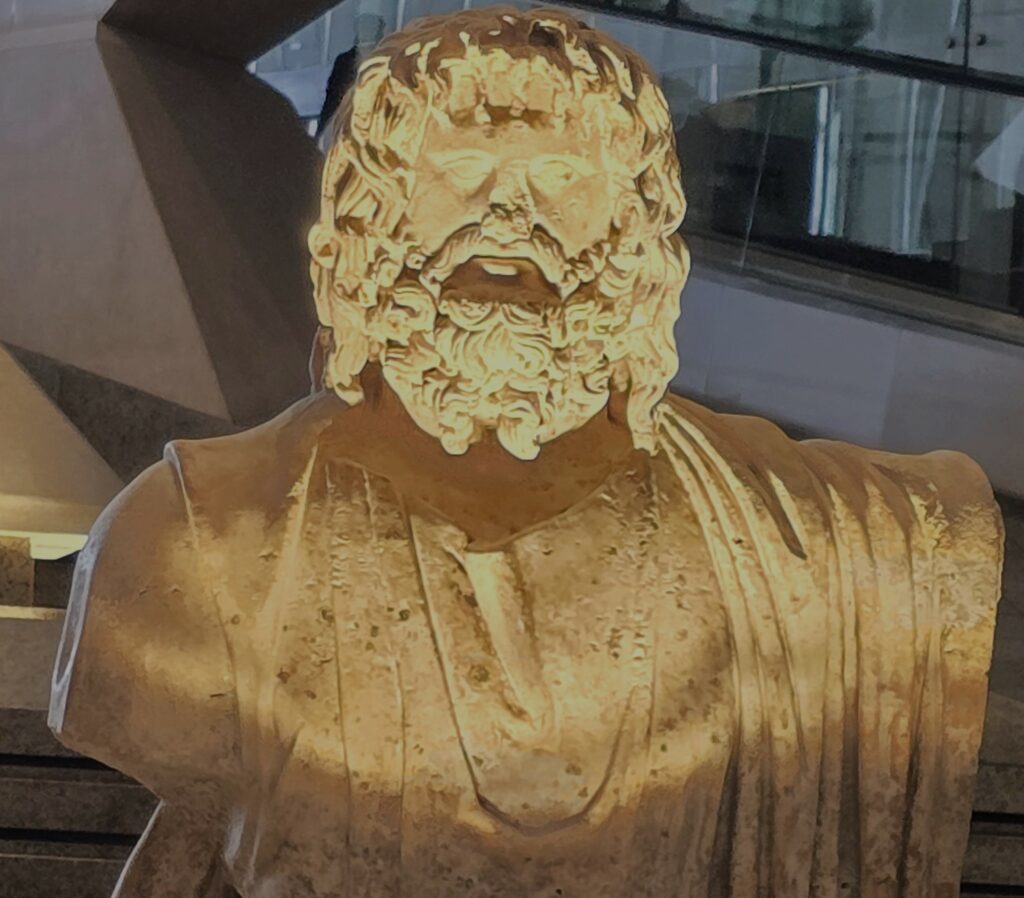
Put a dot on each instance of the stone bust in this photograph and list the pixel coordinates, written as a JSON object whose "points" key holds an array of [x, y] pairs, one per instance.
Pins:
{"points": [[490, 613]]}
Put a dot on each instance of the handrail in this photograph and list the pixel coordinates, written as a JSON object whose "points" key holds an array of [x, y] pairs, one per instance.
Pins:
{"points": [[958, 75]]}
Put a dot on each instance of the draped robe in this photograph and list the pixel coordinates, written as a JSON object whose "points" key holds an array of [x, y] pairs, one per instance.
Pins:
{"points": [[742, 667]]}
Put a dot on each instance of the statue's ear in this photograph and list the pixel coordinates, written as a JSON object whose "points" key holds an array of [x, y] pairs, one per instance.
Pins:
{"points": [[324, 250], [629, 209], [323, 340]]}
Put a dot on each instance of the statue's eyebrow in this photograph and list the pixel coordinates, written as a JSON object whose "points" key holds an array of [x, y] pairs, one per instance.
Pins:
{"points": [[578, 163], [450, 157]]}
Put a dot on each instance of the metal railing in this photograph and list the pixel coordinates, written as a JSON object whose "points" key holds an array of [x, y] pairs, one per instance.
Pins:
{"points": [[828, 133]]}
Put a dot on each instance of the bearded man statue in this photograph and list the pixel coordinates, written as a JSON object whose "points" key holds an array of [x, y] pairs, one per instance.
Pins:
{"points": [[489, 613]]}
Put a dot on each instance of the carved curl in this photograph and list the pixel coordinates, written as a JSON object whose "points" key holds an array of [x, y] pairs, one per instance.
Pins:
{"points": [[466, 68]]}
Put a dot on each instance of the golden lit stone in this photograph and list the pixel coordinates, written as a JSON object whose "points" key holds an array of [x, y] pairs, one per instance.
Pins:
{"points": [[491, 615]]}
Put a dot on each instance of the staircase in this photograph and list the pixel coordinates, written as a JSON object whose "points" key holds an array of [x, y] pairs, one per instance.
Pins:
{"points": [[67, 823]]}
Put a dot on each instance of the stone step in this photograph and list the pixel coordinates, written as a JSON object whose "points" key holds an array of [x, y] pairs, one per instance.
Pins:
{"points": [[82, 798], [1000, 789], [55, 867], [995, 853], [23, 732], [28, 647], [53, 582], [67, 823], [31, 868], [28, 583]]}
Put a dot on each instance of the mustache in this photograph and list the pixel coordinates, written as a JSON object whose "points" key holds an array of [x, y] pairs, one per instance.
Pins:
{"points": [[469, 242]]}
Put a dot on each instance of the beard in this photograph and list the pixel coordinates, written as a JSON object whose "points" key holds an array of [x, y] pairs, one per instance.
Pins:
{"points": [[529, 368], [528, 374]]}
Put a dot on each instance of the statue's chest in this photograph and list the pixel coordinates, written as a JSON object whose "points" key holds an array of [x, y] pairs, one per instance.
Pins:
{"points": [[546, 650], [531, 687]]}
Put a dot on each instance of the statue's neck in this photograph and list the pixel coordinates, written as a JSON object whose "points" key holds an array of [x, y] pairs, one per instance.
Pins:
{"points": [[599, 444], [487, 490]]}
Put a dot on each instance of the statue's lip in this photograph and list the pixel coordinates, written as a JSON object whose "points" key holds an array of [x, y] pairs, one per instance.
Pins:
{"points": [[537, 253], [502, 278], [504, 266]]}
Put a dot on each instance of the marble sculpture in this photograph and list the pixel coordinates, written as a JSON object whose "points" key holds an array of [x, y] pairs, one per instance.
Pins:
{"points": [[492, 614]]}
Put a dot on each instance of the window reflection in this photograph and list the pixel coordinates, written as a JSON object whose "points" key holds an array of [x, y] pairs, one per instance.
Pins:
{"points": [[789, 156]]}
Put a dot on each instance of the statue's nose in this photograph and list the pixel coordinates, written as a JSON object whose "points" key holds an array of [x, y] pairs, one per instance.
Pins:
{"points": [[511, 209]]}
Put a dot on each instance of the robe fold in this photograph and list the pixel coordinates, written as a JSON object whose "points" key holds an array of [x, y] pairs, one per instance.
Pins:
{"points": [[743, 667]]}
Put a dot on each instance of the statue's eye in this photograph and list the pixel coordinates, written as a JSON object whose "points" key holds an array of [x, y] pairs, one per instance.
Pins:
{"points": [[555, 173], [467, 170]]}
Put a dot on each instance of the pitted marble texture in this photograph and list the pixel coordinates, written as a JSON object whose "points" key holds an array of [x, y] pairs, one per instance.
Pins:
{"points": [[741, 666], [17, 571], [513, 623]]}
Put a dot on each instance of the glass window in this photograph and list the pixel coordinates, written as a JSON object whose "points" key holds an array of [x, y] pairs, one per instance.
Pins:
{"points": [[788, 156], [997, 35], [792, 159], [929, 29]]}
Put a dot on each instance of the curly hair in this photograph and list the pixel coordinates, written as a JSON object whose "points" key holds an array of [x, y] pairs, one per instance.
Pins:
{"points": [[476, 67]]}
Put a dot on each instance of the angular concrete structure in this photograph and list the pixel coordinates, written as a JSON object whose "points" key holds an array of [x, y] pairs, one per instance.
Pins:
{"points": [[52, 482]]}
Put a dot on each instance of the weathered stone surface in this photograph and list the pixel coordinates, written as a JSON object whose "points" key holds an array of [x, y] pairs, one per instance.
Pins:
{"points": [[509, 621], [1000, 789], [23, 732], [72, 800], [53, 582], [995, 858], [17, 571], [28, 646], [34, 871]]}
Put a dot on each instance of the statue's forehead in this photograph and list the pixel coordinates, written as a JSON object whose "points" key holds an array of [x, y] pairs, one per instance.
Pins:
{"points": [[529, 87], [512, 142], [499, 78], [460, 97]]}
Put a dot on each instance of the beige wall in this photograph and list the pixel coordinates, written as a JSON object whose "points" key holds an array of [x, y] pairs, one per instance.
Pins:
{"points": [[86, 273], [843, 371], [27, 15]]}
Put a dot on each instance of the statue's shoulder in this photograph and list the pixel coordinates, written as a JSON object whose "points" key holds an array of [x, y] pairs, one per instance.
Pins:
{"points": [[141, 639], [257, 467], [941, 499], [752, 443], [753, 449], [143, 635]]}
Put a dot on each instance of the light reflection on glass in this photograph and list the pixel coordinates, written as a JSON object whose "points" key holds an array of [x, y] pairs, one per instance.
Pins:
{"points": [[791, 155]]}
